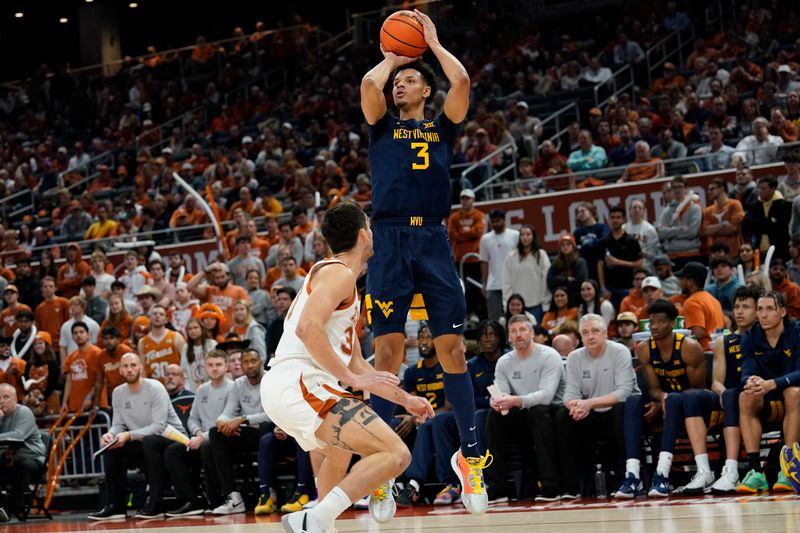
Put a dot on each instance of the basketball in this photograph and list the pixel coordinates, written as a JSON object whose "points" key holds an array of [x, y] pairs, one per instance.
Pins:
{"points": [[402, 34]]}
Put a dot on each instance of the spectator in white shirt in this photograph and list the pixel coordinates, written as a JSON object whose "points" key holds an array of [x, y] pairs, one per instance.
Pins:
{"points": [[494, 248], [759, 148]]}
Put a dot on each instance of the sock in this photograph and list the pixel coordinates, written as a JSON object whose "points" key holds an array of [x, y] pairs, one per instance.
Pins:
{"points": [[632, 466], [754, 461], [331, 506], [301, 488], [264, 490], [664, 463], [701, 461], [458, 389], [383, 408], [732, 464]]}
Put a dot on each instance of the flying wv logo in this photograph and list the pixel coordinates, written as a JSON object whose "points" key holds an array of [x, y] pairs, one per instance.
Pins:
{"points": [[385, 307]]}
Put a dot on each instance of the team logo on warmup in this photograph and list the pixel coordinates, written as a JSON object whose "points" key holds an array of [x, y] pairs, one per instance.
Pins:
{"points": [[385, 307]]}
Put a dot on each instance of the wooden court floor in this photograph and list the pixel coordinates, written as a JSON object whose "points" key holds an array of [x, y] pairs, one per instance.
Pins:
{"points": [[756, 514]]}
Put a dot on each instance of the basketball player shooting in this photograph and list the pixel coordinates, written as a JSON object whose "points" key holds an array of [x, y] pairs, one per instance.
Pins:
{"points": [[318, 350], [413, 266]]}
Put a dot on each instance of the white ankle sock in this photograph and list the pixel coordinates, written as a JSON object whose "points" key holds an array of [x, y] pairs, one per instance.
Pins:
{"points": [[632, 466], [732, 464], [331, 506], [664, 463], [701, 461]]}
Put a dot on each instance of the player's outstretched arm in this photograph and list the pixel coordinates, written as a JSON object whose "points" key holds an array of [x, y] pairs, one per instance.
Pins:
{"points": [[456, 104], [373, 101], [330, 287], [416, 405]]}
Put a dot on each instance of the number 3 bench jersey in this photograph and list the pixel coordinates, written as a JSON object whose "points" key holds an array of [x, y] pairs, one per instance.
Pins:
{"points": [[410, 164]]}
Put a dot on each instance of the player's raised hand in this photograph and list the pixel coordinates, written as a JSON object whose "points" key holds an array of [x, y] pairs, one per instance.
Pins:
{"points": [[419, 407], [397, 60], [430, 29]]}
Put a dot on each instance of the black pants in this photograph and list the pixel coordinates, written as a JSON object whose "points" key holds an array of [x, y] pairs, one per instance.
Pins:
{"points": [[22, 471], [184, 468], [576, 440], [224, 450], [149, 451], [533, 429]]}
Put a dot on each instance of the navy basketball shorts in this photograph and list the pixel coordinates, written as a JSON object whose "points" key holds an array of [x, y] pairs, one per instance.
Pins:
{"points": [[412, 273]]}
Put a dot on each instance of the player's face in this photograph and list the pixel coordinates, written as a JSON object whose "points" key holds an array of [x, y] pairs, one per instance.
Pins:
{"points": [[521, 335], [769, 313], [489, 341], [593, 334], [426, 347], [216, 367], [660, 325], [408, 88], [744, 312]]}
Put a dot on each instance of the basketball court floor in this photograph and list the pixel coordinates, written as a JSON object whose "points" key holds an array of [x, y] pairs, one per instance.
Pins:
{"points": [[689, 515]]}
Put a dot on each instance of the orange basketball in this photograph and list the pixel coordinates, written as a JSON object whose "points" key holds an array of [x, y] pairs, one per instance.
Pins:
{"points": [[402, 34]]}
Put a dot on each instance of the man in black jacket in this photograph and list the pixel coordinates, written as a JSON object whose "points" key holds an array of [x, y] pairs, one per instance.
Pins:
{"points": [[30, 288], [767, 220]]}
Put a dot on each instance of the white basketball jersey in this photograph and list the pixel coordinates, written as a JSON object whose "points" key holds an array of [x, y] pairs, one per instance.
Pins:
{"points": [[340, 328]]}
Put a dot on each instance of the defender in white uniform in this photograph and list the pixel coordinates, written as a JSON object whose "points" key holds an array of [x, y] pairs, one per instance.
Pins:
{"points": [[302, 394]]}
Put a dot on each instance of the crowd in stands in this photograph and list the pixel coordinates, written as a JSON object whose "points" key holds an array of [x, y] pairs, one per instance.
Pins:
{"points": [[79, 334]]}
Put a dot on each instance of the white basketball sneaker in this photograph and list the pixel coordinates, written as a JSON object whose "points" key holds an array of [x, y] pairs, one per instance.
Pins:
{"points": [[382, 506]]}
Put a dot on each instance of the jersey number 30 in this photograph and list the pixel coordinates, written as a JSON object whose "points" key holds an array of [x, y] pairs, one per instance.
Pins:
{"points": [[422, 153]]}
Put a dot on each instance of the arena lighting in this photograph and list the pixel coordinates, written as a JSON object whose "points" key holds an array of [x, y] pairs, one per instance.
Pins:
{"points": [[63, 20], [133, 5], [89, 1], [19, 14]]}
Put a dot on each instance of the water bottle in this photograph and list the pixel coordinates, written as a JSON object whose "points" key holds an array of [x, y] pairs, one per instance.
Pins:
{"points": [[600, 483]]}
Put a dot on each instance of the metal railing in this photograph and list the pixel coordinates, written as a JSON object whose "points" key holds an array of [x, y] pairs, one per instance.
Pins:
{"points": [[484, 169], [616, 84], [569, 113], [666, 49], [164, 130], [673, 167]]}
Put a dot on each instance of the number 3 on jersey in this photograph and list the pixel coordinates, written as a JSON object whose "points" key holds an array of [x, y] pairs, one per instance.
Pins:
{"points": [[422, 153]]}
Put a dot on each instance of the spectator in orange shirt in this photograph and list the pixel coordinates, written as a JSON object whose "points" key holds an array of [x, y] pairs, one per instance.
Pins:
{"points": [[722, 219], [266, 203], [363, 193], [217, 290], [634, 302], [109, 360], [52, 312], [671, 79], [72, 272], [11, 368], [781, 283], [9, 314], [560, 310], [644, 167], [103, 181], [781, 127], [245, 202], [701, 311], [192, 213], [81, 371], [202, 51], [465, 229], [302, 226]]}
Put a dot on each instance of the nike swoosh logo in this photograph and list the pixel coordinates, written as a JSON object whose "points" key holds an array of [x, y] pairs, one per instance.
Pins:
{"points": [[455, 326], [472, 445], [472, 428]]}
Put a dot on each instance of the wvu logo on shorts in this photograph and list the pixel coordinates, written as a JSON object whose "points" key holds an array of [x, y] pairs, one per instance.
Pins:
{"points": [[385, 307], [414, 221]]}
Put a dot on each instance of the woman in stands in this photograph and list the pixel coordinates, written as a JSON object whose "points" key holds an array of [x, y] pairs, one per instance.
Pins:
{"points": [[193, 358], [118, 317], [262, 309], [40, 378], [569, 269], [247, 328], [560, 310], [515, 305], [525, 273], [592, 302], [47, 265], [212, 320]]}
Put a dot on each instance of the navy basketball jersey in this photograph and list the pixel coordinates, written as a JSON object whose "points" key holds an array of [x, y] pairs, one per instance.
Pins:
{"points": [[426, 382], [672, 376], [732, 347], [410, 165]]}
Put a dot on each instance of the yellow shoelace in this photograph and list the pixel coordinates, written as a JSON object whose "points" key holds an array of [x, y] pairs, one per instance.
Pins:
{"points": [[475, 475], [381, 493]]}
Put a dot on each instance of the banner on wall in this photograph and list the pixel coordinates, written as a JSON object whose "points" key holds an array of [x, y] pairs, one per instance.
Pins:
{"points": [[553, 214]]}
